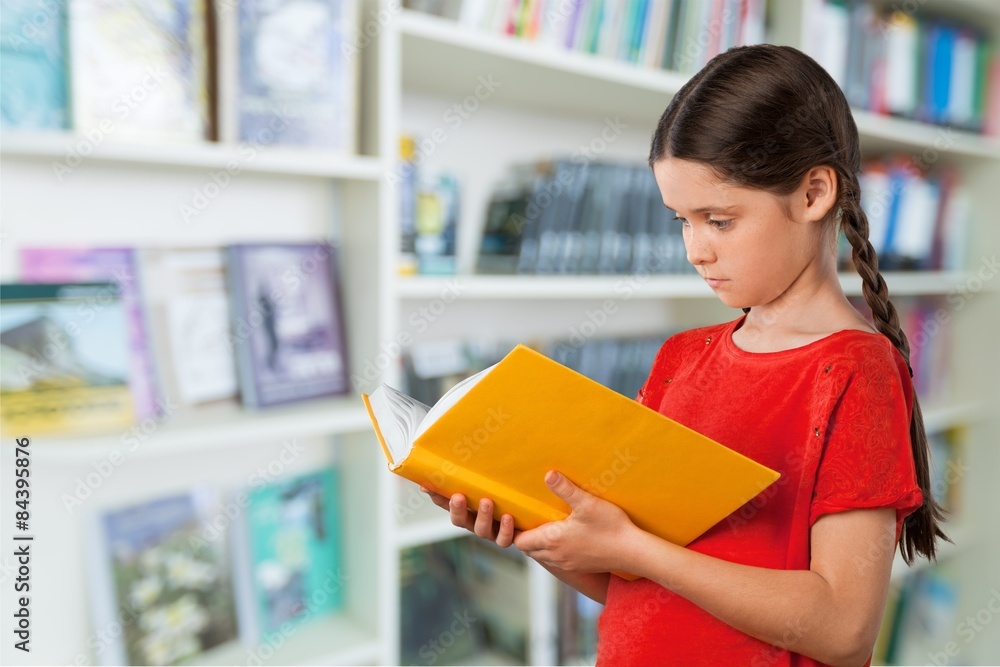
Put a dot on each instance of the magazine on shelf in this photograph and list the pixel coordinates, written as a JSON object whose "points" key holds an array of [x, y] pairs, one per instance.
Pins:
{"points": [[48, 265], [287, 322], [152, 565], [65, 358]]}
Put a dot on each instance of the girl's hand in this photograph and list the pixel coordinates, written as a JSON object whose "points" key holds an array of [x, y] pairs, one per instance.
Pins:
{"points": [[481, 523], [597, 536]]}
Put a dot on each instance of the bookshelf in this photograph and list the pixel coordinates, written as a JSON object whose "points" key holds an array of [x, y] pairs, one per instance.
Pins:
{"points": [[548, 102]]}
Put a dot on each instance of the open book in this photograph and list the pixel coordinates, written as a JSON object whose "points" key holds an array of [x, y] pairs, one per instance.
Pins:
{"points": [[497, 433]]}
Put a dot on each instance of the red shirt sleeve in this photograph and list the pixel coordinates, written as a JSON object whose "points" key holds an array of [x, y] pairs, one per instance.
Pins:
{"points": [[867, 460], [651, 390]]}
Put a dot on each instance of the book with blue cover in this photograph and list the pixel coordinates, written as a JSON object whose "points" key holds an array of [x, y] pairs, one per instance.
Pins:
{"points": [[288, 554], [33, 82], [297, 78]]}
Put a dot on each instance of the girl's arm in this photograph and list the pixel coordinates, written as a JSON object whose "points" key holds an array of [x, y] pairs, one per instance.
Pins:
{"points": [[830, 612], [592, 584]]}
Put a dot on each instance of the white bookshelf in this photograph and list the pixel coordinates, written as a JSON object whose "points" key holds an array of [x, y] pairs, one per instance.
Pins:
{"points": [[549, 102]]}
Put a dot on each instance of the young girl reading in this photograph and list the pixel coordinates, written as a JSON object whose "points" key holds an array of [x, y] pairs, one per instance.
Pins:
{"points": [[758, 155]]}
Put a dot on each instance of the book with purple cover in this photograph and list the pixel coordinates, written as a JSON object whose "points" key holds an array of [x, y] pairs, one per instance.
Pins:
{"points": [[67, 265], [287, 322]]}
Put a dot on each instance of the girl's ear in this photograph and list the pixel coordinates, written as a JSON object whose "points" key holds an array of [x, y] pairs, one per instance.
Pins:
{"points": [[818, 193]]}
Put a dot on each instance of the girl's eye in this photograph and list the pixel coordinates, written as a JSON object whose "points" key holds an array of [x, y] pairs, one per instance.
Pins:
{"points": [[720, 224], [683, 221]]}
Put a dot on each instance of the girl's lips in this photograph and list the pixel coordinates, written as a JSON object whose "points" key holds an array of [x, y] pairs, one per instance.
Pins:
{"points": [[714, 282]]}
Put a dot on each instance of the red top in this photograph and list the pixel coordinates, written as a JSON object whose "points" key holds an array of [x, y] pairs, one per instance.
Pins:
{"points": [[833, 417]]}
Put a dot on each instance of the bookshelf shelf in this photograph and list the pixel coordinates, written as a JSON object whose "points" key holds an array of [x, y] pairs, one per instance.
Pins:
{"points": [[309, 645], [217, 427], [638, 286], [428, 531], [570, 83], [275, 160], [938, 419]]}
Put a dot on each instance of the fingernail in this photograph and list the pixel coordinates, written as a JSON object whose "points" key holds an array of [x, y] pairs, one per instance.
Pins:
{"points": [[483, 504], [551, 477]]}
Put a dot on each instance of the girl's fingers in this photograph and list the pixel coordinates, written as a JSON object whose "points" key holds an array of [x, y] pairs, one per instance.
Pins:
{"points": [[459, 512], [505, 536], [484, 520]]}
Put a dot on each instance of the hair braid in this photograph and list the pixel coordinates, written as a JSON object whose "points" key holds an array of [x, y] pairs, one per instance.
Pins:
{"points": [[921, 528]]}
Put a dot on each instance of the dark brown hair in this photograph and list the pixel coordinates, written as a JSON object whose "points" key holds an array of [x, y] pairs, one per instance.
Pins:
{"points": [[761, 117]]}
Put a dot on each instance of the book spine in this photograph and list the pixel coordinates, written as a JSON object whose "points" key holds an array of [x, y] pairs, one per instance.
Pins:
{"points": [[446, 477]]}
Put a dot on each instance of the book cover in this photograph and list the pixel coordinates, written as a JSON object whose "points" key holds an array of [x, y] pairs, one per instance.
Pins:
{"points": [[33, 79], [52, 265], [65, 358], [151, 564], [188, 311], [297, 80], [288, 547], [287, 322], [498, 433], [139, 67]]}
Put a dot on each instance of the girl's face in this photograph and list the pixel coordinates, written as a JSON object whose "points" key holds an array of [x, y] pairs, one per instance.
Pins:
{"points": [[742, 241]]}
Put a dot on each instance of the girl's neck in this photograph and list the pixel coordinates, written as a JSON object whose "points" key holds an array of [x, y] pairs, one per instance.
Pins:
{"points": [[811, 308]]}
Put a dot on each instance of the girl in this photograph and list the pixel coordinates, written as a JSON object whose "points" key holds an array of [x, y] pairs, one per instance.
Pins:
{"points": [[758, 156]]}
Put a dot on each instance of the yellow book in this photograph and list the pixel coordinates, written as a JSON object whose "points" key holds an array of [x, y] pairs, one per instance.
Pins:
{"points": [[496, 434]]}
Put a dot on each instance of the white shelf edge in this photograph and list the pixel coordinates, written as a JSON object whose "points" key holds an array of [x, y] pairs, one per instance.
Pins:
{"points": [[358, 646], [940, 418], [226, 428], [448, 33], [427, 531], [287, 160], [635, 286]]}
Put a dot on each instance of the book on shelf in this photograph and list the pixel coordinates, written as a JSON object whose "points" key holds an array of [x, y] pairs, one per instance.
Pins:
{"points": [[289, 73], [120, 265], [187, 305], [140, 69], [666, 34], [65, 358], [564, 216], [474, 594], [155, 574], [496, 434], [576, 616], [287, 322], [34, 94], [892, 61], [287, 548]]}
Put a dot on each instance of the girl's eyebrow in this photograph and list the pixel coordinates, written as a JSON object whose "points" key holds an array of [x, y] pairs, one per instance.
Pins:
{"points": [[704, 209]]}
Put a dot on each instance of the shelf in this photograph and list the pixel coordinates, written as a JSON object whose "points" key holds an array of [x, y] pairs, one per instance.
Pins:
{"points": [[220, 427], [634, 286], [242, 158], [965, 540], [938, 419], [445, 58], [427, 532], [312, 644]]}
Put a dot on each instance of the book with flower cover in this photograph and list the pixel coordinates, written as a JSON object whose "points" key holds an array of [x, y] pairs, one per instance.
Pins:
{"points": [[33, 83], [152, 564]]}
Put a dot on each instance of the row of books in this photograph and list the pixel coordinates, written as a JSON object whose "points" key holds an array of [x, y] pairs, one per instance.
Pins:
{"points": [[622, 364], [183, 573], [679, 35], [257, 72], [461, 601], [564, 216], [915, 221], [428, 214], [99, 338], [900, 62]]}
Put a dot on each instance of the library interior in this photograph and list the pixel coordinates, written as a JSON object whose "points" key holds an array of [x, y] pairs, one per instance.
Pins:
{"points": [[208, 258]]}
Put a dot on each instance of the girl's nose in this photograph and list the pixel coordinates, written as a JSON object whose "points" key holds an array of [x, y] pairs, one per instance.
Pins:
{"points": [[699, 251]]}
